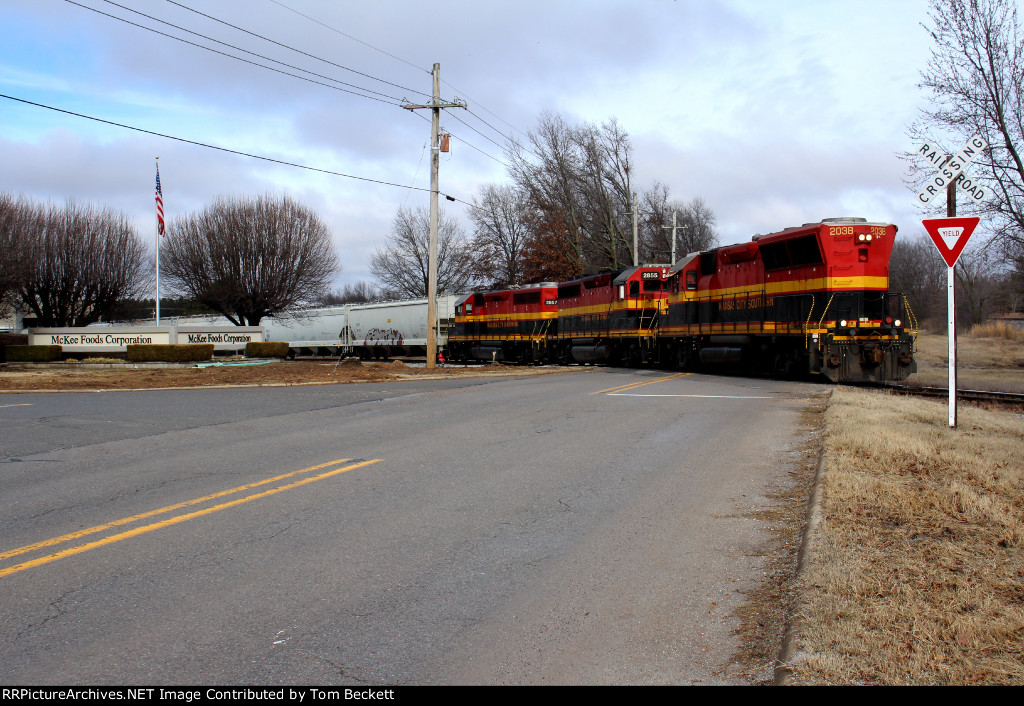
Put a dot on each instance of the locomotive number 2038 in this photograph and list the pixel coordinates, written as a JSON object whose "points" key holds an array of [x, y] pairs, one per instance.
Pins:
{"points": [[839, 231]]}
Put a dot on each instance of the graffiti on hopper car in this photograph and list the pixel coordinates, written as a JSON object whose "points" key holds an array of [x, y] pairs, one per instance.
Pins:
{"points": [[383, 337]]}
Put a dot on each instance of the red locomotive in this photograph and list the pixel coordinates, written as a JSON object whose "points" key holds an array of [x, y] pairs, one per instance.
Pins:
{"points": [[812, 299], [807, 300], [513, 325], [611, 318]]}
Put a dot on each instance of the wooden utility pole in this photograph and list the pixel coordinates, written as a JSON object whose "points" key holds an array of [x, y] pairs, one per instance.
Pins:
{"points": [[435, 159]]}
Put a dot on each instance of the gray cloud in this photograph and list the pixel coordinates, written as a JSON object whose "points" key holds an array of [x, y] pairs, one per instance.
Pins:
{"points": [[773, 112]]}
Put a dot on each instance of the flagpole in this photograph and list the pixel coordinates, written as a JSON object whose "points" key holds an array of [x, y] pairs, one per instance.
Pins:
{"points": [[159, 217]]}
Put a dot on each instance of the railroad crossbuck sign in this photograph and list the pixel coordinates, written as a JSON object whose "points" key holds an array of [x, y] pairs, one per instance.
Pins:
{"points": [[950, 169], [950, 235]]}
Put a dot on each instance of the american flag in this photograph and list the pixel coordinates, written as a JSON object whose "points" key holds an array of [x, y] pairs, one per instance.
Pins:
{"points": [[159, 204]]}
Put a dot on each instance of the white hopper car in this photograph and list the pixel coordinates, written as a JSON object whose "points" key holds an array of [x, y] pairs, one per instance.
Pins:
{"points": [[395, 328], [379, 330]]}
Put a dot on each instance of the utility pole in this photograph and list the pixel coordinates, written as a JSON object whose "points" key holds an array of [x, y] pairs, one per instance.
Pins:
{"points": [[636, 234], [435, 159], [674, 227]]}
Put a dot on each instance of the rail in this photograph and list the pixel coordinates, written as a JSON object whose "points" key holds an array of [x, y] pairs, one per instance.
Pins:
{"points": [[1007, 398]]}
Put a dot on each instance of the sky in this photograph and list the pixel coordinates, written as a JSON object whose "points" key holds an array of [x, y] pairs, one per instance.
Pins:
{"points": [[774, 112]]}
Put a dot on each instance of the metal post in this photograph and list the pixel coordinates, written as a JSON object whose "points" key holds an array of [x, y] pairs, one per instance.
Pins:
{"points": [[951, 322], [951, 312]]}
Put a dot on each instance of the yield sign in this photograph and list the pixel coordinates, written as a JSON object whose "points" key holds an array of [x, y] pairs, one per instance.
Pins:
{"points": [[950, 235]]}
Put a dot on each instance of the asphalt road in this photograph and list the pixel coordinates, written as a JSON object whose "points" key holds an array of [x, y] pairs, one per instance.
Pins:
{"points": [[584, 528]]}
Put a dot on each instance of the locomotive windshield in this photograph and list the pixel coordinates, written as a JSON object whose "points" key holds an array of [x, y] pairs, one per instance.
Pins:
{"points": [[791, 253]]}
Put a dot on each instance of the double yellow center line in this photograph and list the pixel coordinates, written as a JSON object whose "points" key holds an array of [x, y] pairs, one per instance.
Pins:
{"points": [[641, 383], [78, 549]]}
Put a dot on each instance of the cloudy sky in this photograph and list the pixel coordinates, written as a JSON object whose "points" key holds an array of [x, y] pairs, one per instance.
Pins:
{"points": [[775, 112]]}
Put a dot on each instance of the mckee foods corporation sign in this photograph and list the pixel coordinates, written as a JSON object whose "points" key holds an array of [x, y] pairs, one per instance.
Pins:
{"points": [[221, 336], [111, 339], [99, 340]]}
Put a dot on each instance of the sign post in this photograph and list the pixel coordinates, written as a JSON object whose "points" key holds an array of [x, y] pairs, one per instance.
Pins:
{"points": [[950, 236]]}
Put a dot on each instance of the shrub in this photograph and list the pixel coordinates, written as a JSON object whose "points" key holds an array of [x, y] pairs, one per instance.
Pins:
{"points": [[266, 349], [32, 354], [170, 353]]}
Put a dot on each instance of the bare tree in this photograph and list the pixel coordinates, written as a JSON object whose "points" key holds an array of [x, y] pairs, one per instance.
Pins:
{"points": [[1014, 279], [978, 277], [580, 176], [550, 254], [401, 264], [695, 225], [80, 261], [976, 82], [502, 218], [547, 172], [250, 258], [358, 293], [13, 264], [606, 193], [578, 181]]}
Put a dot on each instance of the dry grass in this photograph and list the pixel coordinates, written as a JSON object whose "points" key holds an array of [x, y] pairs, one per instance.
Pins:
{"points": [[984, 362], [916, 571], [998, 329]]}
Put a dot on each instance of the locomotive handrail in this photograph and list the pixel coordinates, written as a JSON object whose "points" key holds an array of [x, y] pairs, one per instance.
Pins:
{"points": [[807, 324], [913, 319], [821, 339]]}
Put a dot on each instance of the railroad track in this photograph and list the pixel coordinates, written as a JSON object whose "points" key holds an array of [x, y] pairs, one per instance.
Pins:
{"points": [[1007, 398]]}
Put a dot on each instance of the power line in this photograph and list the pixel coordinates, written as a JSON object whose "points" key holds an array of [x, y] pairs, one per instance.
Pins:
{"points": [[349, 36], [252, 53], [481, 135], [271, 68], [285, 46], [326, 26], [457, 90], [392, 101], [398, 58], [215, 147]]}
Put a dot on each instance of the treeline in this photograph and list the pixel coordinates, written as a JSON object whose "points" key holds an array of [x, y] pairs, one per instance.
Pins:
{"points": [[244, 258], [987, 282], [566, 210]]}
